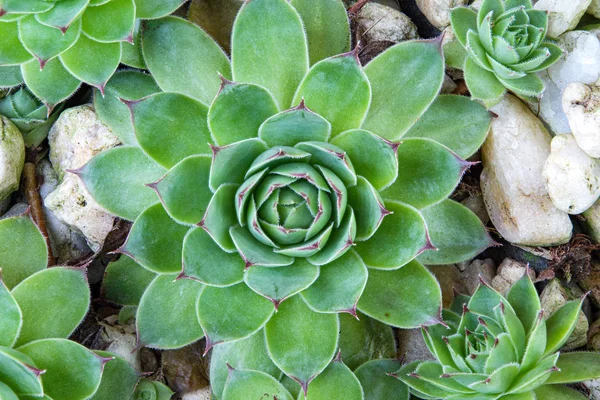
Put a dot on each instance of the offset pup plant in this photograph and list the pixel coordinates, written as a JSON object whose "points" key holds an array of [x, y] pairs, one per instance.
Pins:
{"points": [[284, 188], [505, 44], [54, 45], [501, 348]]}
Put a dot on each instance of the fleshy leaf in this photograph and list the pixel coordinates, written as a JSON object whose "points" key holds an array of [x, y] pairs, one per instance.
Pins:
{"points": [[179, 189], [339, 286], [205, 261], [244, 354], [62, 15], [57, 289], [561, 324], [183, 58], [155, 241], [368, 207], [293, 126], [126, 85], [238, 111], [340, 241], [331, 157], [417, 302], [255, 253], [19, 372], [123, 194], [529, 85], [272, 54], [131, 52], [25, 6], [291, 340], [92, 62], [242, 385], [119, 379], [336, 381], [455, 231], [415, 67], [557, 392], [231, 313], [22, 250], [125, 281], [42, 83], [428, 172], [10, 75], [576, 367], [82, 372], [463, 19], [376, 382], [6, 392], [483, 84], [463, 135], [166, 317], [523, 297], [398, 240], [11, 318], [170, 126], [278, 284], [230, 163], [338, 89], [220, 217], [44, 42], [110, 22], [12, 51]]}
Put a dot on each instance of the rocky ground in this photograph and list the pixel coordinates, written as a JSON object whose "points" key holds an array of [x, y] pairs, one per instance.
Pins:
{"points": [[536, 188]]}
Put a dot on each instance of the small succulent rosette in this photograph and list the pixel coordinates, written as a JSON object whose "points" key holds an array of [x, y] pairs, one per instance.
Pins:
{"points": [[497, 347], [55, 45], [271, 193], [506, 45]]}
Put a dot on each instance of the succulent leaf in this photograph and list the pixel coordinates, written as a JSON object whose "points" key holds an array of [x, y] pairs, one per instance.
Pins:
{"points": [[483, 84], [63, 14], [110, 22], [166, 317], [131, 51], [363, 339], [12, 51], [10, 75], [524, 299], [44, 42], [293, 126], [151, 9], [11, 319], [376, 382], [18, 371], [368, 208], [230, 163], [253, 384], [558, 392], [42, 82], [119, 379], [25, 7], [183, 58], [125, 281], [576, 367], [561, 324], [336, 380]]}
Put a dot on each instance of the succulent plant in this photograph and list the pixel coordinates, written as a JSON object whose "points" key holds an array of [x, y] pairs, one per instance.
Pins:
{"points": [[54, 45], [506, 44], [497, 347], [283, 187]]}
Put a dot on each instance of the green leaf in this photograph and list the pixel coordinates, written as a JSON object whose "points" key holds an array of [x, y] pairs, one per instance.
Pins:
{"points": [[10, 76], [110, 22], [57, 289], [119, 379], [25, 6], [558, 392], [336, 381], [125, 281], [487, 6], [291, 334], [243, 385], [428, 172], [529, 85], [339, 285], [22, 249], [42, 83], [255, 253], [126, 85], [231, 313], [327, 27], [77, 379], [156, 241], [405, 298], [244, 354], [220, 217], [278, 284], [340, 241], [455, 231], [398, 240], [205, 261], [372, 156], [415, 67], [338, 89], [150, 9], [238, 111], [376, 382], [62, 15], [293, 126], [363, 339], [230, 163], [45, 42], [331, 157], [92, 62], [6, 392], [523, 297], [18, 371], [483, 84], [368, 208], [131, 52], [272, 53], [12, 51], [11, 318], [183, 58], [463, 135], [170, 126], [555, 53], [463, 19], [123, 194], [561, 324], [576, 367], [166, 317]]}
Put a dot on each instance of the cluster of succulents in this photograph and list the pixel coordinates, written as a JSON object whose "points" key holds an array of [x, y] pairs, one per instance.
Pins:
{"points": [[505, 42], [497, 347], [53, 45]]}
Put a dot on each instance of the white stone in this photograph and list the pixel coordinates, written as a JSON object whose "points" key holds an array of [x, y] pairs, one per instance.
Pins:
{"points": [[581, 105], [476, 271], [201, 394], [438, 11], [122, 341], [572, 177], [580, 62], [74, 139], [594, 388], [594, 8], [476, 204], [563, 15], [513, 187], [592, 221], [12, 157], [379, 23], [509, 271]]}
